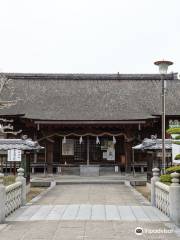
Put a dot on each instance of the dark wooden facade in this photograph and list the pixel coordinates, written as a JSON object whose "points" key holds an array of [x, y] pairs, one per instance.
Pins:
{"points": [[51, 134]]}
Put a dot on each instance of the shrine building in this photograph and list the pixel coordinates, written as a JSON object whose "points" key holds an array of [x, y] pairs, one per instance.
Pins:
{"points": [[92, 119]]}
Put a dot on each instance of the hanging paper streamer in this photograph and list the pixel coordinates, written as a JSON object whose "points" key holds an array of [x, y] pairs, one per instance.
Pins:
{"points": [[97, 140], [64, 140], [114, 140], [80, 140]]}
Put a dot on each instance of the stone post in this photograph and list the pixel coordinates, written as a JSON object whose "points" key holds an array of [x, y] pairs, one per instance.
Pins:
{"points": [[2, 199], [174, 199], [154, 179], [22, 179]]}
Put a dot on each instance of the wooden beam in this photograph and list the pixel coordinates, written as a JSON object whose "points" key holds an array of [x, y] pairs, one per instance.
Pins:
{"points": [[43, 122]]}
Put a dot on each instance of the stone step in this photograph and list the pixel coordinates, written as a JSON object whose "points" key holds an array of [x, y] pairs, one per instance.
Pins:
{"points": [[89, 181]]}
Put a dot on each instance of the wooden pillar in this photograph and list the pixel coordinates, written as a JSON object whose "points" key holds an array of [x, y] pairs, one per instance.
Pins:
{"points": [[28, 164], [35, 153], [49, 155], [25, 164], [87, 150], [128, 155], [128, 151]]}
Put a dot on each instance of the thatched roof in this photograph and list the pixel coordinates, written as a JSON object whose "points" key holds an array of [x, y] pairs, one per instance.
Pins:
{"points": [[91, 96]]}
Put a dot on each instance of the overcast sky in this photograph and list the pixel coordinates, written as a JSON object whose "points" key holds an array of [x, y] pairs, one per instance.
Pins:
{"points": [[89, 36]]}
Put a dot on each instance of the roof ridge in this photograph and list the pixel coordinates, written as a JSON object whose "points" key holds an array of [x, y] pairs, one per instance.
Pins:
{"points": [[89, 76]]}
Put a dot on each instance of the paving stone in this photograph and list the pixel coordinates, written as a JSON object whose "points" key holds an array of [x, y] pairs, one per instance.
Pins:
{"points": [[3, 226], [126, 213], [112, 212], [107, 194], [98, 212], [84, 212], [28, 213], [139, 214], [89, 212], [56, 212], [42, 213], [150, 213], [72, 230], [70, 212], [17, 213]]}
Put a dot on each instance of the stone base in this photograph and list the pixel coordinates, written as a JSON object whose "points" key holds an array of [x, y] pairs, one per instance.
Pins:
{"points": [[40, 183], [89, 170]]}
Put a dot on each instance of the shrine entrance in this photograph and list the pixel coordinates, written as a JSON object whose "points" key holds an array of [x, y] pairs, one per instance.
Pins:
{"points": [[88, 150], [67, 153]]}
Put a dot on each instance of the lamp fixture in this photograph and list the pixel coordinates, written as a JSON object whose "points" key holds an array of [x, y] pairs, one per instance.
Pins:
{"points": [[163, 66]]}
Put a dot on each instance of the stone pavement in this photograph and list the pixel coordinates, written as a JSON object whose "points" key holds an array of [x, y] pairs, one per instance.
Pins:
{"points": [[85, 230], [117, 194], [89, 212]]}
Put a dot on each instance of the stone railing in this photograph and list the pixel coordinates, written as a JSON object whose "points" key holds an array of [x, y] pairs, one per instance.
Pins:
{"points": [[12, 196], [166, 198], [162, 197]]}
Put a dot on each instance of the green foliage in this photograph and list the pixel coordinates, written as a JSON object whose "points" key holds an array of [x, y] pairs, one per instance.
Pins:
{"points": [[173, 169], [177, 137], [177, 157], [175, 142], [165, 178], [8, 180], [173, 131]]}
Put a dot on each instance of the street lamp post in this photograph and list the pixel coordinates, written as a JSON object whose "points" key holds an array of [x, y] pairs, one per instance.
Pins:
{"points": [[163, 67]]}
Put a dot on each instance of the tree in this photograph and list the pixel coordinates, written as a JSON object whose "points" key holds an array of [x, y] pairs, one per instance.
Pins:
{"points": [[6, 83], [5, 124], [175, 134]]}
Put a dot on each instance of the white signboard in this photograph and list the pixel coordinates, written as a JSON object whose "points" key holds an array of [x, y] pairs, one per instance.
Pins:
{"points": [[110, 151], [68, 148], [175, 151], [104, 155], [14, 155], [159, 154]]}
